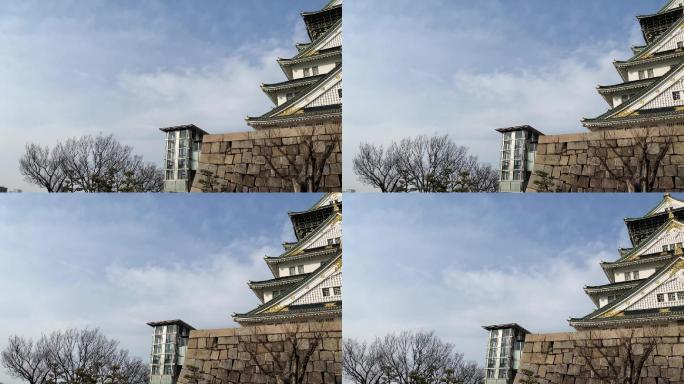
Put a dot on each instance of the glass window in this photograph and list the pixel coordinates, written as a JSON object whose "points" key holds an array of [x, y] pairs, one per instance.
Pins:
{"points": [[158, 330], [519, 134], [156, 349], [326, 292], [182, 174], [664, 248], [650, 73], [300, 269], [307, 72], [505, 175], [671, 296], [184, 134], [171, 135], [338, 291], [155, 359], [181, 163], [314, 70], [517, 176], [170, 145], [628, 276], [293, 271], [277, 293], [155, 369], [169, 175], [680, 44], [675, 95], [660, 297], [168, 369], [183, 152], [641, 75], [680, 295], [635, 275], [158, 339]]}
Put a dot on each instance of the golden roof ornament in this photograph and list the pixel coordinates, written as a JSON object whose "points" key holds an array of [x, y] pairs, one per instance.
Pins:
{"points": [[670, 214]]}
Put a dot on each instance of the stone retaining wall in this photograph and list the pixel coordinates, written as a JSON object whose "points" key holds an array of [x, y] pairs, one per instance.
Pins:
{"points": [[227, 355], [557, 358], [574, 162], [238, 162]]}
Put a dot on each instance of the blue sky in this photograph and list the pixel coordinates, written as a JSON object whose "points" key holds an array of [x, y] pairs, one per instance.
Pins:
{"points": [[74, 67], [467, 67], [119, 262], [455, 263]]}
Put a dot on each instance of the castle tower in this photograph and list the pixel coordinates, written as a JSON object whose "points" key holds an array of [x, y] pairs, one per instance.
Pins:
{"points": [[312, 92], [307, 276], [646, 282], [651, 93]]}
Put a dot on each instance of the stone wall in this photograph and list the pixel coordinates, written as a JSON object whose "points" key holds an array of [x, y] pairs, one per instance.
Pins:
{"points": [[237, 162], [558, 358], [227, 355], [574, 162]]}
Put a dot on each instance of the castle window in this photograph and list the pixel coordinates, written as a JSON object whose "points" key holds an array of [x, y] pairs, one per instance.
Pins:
{"points": [[660, 297], [307, 72], [293, 271], [628, 276], [680, 45], [680, 295], [338, 291], [314, 70], [642, 75], [326, 292], [289, 95], [671, 297], [676, 95], [635, 274], [650, 73], [300, 269]]}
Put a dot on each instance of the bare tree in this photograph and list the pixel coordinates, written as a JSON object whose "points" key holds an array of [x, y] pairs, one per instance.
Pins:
{"points": [[289, 366], [308, 164], [378, 167], [622, 363], [362, 362], [89, 164], [408, 358], [26, 360], [43, 167], [73, 356], [636, 160], [424, 164]]}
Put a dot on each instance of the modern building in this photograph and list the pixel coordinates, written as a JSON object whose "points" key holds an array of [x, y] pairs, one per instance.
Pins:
{"points": [[310, 95], [650, 95], [307, 276], [504, 349], [169, 345], [181, 158], [646, 281], [518, 149]]}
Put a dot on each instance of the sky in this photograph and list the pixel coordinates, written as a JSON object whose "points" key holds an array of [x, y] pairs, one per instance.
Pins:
{"points": [[74, 67], [118, 262], [454, 263], [465, 68]]}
